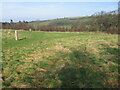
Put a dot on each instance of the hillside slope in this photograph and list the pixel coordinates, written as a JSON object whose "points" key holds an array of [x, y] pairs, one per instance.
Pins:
{"points": [[99, 22]]}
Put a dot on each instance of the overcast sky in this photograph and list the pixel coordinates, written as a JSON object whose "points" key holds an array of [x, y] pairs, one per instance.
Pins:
{"points": [[31, 11]]}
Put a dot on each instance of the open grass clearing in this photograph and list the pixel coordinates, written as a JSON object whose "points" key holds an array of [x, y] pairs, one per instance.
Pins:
{"points": [[60, 60]]}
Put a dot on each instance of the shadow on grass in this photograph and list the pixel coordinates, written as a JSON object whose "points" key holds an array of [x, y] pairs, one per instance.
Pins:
{"points": [[22, 38], [73, 77], [82, 72], [112, 51]]}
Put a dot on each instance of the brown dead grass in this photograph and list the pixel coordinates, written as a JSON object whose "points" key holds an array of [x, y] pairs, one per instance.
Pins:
{"points": [[41, 70], [112, 81], [26, 65], [110, 63], [20, 85], [62, 49]]}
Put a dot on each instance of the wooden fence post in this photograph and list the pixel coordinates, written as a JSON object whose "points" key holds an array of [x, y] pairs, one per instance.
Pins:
{"points": [[16, 35], [30, 29]]}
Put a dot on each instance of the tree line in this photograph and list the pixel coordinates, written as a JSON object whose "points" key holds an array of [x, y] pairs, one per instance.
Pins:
{"points": [[99, 22]]}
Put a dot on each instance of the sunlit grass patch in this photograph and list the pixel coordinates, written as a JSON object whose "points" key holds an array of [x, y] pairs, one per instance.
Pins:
{"points": [[60, 60]]}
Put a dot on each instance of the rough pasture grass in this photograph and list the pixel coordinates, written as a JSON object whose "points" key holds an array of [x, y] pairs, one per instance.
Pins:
{"points": [[60, 60]]}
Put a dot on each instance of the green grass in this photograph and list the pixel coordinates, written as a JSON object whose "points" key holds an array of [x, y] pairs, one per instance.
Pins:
{"points": [[60, 60], [61, 22]]}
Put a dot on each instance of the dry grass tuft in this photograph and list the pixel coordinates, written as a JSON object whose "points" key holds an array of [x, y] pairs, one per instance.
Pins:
{"points": [[62, 49]]}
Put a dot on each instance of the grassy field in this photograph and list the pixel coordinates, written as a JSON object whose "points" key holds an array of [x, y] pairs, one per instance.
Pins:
{"points": [[67, 23], [60, 60]]}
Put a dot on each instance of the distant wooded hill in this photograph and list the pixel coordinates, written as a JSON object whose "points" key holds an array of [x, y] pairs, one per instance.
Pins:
{"points": [[98, 22]]}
